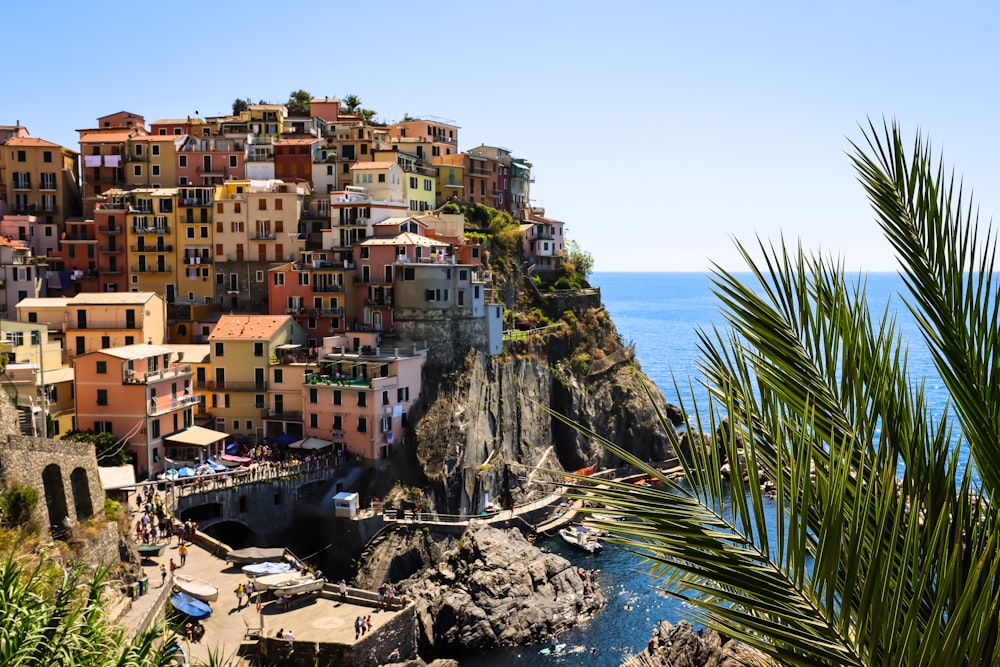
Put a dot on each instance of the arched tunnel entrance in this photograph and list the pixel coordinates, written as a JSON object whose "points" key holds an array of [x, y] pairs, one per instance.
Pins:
{"points": [[237, 535]]}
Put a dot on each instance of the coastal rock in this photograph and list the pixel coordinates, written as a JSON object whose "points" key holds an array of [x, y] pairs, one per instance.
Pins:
{"points": [[680, 646], [504, 592]]}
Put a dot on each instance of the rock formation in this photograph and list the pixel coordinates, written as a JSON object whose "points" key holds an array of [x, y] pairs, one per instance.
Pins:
{"points": [[680, 646], [487, 589]]}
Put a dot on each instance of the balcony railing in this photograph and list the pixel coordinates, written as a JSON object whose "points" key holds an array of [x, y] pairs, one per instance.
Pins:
{"points": [[263, 237], [281, 415], [214, 385], [152, 230], [110, 251], [326, 312], [151, 248], [327, 289], [111, 230], [159, 406], [152, 269], [179, 371], [201, 259]]}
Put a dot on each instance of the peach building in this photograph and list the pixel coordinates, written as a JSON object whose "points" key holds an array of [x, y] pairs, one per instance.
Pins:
{"points": [[140, 393]]}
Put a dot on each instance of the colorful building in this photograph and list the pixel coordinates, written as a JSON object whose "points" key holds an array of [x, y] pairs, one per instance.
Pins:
{"points": [[103, 150], [21, 275], [40, 179]]}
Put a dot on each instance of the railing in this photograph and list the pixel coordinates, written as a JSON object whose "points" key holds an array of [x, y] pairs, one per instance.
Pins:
{"points": [[159, 406], [147, 248], [179, 371], [195, 202], [111, 230], [333, 381], [281, 415], [226, 385], [328, 288], [200, 259], [475, 171], [372, 281], [152, 269], [263, 237], [327, 312], [152, 230], [112, 206]]}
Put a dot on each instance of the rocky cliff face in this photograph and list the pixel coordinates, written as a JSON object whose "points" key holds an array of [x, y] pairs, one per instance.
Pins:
{"points": [[487, 589], [485, 427]]}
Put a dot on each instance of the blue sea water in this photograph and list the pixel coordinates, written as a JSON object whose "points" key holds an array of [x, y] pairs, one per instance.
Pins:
{"points": [[660, 313]]}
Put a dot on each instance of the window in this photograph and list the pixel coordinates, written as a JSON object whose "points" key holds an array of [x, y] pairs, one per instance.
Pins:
{"points": [[47, 156], [137, 170], [183, 161], [381, 178], [156, 170], [338, 397], [155, 149], [385, 398], [22, 156], [166, 206], [232, 162], [220, 349], [48, 180], [338, 423], [427, 184], [313, 395], [279, 376], [262, 204], [258, 349], [413, 182], [259, 276], [279, 278], [129, 340], [313, 420], [362, 425], [402, 394], [364, 252], [303, 278], [362, 399], [156, 428], [277, 204], [386, 424], [102, 396], [249, 425], [218, 209]]}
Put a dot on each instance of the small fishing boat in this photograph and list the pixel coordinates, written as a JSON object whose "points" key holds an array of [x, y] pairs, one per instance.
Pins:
{"points": [[299, 585], [190, 606], [255, 570], [255, 555], [150, 550], [581, 538], [196, 588], [270, 581]]}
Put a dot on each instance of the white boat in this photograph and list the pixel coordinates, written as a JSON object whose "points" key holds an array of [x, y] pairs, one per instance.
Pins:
{"points": [[299, 585], [196, 588], [581, 538], [270, 581], [256, 570]]}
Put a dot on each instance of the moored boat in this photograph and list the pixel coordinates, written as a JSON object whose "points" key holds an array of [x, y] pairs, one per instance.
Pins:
{"points": [[581, 538], [196, 588], [190, 606], [299, 585], [150, 550], [270, 581], [255, 555], [255, 570]]}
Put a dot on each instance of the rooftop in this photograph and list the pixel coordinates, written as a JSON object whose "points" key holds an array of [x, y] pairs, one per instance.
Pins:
{"points": [[29, 141], [139, 351], [248, 327], [110, 298], [372, 165]]}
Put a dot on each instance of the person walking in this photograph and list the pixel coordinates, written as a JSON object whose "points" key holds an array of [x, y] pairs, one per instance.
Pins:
{"points": [[357, 628], [163, 575], [342, 586], [240, 592], [182, 551]]}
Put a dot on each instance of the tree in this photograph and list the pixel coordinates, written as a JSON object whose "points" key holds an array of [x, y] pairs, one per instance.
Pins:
{"points": [[582, 261], [351, 103], [298, 103], [110, 452], [369, 114], [239, 106], [884, 546]]}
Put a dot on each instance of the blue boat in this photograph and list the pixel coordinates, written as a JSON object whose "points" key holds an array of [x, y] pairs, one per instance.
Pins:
{"points": [[190, 606]]}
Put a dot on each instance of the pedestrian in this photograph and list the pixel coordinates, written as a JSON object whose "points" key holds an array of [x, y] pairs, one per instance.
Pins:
{"points": [[357, 628], [280, 634], [189, 631], [289, 636], [342, 586], [368, 622], [163, 575], [381, 596], [173, 566], [183, 553]]}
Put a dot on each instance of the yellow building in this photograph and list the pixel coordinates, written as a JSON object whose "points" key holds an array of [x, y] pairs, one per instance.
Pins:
{"points": [[419, 180], [21, 344], [151, 160], [450, 180], [244, 349], [152, 241], [98, 320], [40, 178], [195, 238]]}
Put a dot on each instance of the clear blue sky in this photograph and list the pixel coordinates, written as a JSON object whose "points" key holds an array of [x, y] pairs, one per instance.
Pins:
{"points": [[659, 131]]}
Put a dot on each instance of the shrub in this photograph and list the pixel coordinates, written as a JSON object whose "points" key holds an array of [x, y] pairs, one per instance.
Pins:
{"points": [[17, 503]]}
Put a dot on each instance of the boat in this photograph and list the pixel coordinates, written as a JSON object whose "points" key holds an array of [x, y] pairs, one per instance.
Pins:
{"points": [[607, 517], [255, 555], [300, 585], [581, 538], [270, 581], [255, 570], [190, 606], [196, 588], [150, 550], [548, 650]]}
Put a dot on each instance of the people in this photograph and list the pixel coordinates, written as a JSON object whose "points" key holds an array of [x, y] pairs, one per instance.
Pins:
{"points": [[289, 636], [280, 634], [553, 642]]}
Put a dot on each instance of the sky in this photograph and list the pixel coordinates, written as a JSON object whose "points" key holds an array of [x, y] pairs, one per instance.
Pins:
{"points": [[660, 132]]}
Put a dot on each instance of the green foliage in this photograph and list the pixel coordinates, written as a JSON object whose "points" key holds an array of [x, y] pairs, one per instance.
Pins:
{"points": [[298, 103], [580, 363], [113, 510], [351, 103], [239, 106], [569, 317], [109, 451], [581, 260], [885, 548], [451, 208], [368, 114], [17, 502]]}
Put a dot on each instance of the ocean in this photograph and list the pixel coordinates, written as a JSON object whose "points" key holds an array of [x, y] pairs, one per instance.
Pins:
{"points": [[660, 313]]}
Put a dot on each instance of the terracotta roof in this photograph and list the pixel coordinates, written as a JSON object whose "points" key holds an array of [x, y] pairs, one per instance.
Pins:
{"points": [[296, 140], [248, 327], [104, 137], [29, 141], [406, 238], [176, 121], [43, 302], [372, 165], [192, 354], [160, 137], [395, 221]]}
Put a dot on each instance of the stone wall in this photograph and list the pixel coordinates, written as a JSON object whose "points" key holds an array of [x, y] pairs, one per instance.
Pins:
{"points": [[64, 471], [449, 335]]}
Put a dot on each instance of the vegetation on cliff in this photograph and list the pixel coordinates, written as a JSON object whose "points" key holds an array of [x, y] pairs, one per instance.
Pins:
{"points": [[884, 545]]}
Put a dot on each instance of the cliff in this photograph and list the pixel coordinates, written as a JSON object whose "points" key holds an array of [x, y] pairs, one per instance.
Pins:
{"points": [[484, 427]]}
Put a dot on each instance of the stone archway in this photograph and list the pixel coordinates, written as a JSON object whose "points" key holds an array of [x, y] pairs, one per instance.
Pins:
{"points": [[55, 497], [81, 494]]}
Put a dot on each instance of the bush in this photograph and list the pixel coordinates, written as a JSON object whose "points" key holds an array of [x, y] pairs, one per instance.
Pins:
{"points": [[17, 503], [580, 363]]}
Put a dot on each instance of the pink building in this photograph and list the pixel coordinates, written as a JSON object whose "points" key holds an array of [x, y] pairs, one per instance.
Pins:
{"points": [[311, 290], [360, 399], [210, 161], [542, 240], [140, 393]]}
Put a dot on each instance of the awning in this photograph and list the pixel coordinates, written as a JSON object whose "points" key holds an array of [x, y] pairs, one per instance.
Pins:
{"points": [[283, 438], [197, 436], [310, 444], [289, 346], [116, 477]]}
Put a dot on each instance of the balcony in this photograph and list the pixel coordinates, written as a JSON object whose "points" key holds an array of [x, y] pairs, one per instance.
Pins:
{"points": [[110, 251], [149, 248], [328, 289], [160, 406], [214, 385], [132, 377], [112, 206], [374, 282], [326, 312], [152, 269], [281, 416], [211, 171], [111, 230], [476, 171], [196, 201], [165, 229], [263, 237], [196, 261]]}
